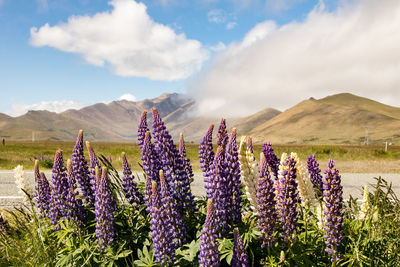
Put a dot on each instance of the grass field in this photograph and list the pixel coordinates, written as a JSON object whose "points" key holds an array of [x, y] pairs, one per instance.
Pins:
{"points": [[350, 158]]}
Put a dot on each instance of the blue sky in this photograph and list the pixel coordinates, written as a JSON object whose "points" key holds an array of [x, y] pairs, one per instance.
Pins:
{"points": [[56, 54]]}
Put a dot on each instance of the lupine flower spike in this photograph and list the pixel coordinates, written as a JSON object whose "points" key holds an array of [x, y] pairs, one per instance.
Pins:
{"points": [[305, 186], [104, 209], [333, 200], [80, 171], [162, 230], [272, 160], [220, 195], [142, 129], [209, 239], [173, 219], [21, 182], [206, 156], [167, 152], [315, 174], [233, 179], [365, 205], [267, 214], [60, 189], [288, 197], [249, 173], [239, 257], [75, 211], [94, 162], [129, 186], [222, 135], [151, 167], [186, 177], [43, 195]]}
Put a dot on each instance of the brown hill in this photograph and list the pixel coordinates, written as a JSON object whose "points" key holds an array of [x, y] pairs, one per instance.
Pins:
{"points": [[341, 118]]}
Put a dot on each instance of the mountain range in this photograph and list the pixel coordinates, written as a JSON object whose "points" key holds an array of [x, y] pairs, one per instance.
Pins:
{"points": [[341, 118]]}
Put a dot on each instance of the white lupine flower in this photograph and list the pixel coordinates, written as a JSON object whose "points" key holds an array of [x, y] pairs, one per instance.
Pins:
{"points": [[304, 182], [249, 172], [20, 181], [365, 205], [319, 212]]}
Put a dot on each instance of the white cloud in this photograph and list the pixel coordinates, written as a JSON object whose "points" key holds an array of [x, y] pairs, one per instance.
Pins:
{"points": [[216, 16], [128, 97], [352, 49], [127, 40], [58, 106], [230, 25]]}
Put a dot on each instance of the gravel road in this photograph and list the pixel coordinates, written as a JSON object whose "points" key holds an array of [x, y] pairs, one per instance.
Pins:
{"points": [[352, 184]]}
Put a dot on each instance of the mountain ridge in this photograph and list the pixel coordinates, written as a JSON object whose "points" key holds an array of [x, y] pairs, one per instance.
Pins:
{"points": [[340, 118]]}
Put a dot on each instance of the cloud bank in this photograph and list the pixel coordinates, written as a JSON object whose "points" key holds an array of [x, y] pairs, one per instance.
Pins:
{"points": [[58, 106], [127, 40], [354, 48]]}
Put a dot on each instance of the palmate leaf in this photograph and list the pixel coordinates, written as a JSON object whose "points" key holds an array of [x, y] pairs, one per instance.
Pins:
{"points": [[226, 249], [188, 252], [146, 257]]}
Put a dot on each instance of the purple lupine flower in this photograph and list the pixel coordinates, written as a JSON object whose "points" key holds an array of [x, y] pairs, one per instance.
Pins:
{"points": [[266, 205], [142, 129], [234, 199], [208, 255], [250, 144], [75, 211], [167, 152], [94, 162], [59, 183], [129, 186], [333, 200], [162, 230], [151, 167], [219, 194], [206, 156], [104, 211], [288, 198], [315, 174], [43, 195], [170, 209], [4, 227], [186, 177], [222, 135], [80, 171], [239, 257], [272, 159]]}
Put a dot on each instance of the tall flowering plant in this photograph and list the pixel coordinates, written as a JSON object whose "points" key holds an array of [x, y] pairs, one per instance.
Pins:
{"points": [[162, 230], [81, 171], [132, 194], [60, 188], [333, 201], [266, 203], [75, 211], [288, 198], [94, 162], [104, 210], [220, 192], [208, 255], [239, 257], [233, 179], [249, 172], [206, 156], [315, 174]]}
